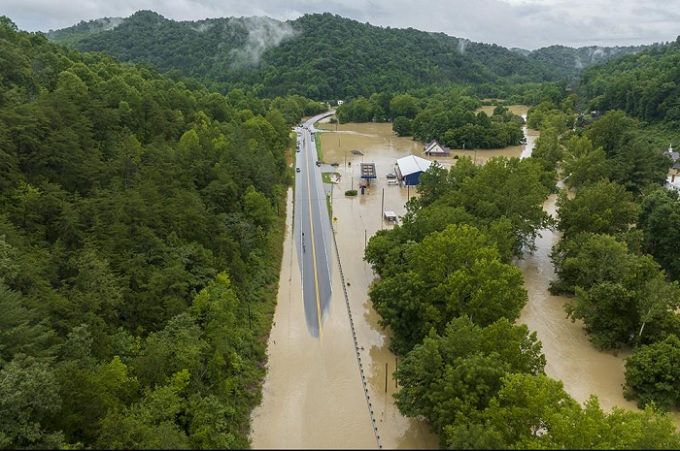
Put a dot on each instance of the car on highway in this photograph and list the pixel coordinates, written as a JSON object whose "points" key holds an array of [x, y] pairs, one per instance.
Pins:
{"points": [[297, 169]]}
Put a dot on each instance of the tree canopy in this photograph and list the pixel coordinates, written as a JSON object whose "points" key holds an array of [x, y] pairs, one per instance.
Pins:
{"points": [[139, 251]]}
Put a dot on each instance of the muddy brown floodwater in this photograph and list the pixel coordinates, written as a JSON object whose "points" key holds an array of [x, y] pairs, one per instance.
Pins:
{"points": [[337, 392]]}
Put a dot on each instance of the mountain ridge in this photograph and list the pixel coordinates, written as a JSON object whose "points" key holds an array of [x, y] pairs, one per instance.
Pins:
{"points": [[322, 55]]}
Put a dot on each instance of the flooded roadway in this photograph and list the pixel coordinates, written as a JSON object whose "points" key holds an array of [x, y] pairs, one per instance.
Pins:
{"points": [[337, 393]]}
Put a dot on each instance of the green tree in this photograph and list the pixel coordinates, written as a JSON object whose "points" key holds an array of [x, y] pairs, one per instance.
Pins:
{"points": [[257, 208], [525, 408], [535, 412], [397, 302], [604, 207], [123, 191], [639, 165], [612, 131], [21, 331], [586, 259], [649, 429], [617, 297], [508, 188], [29, 393], [653, 374], [150, 423], [89, 392], [433, 184], [548, 150], [385, 252], [402, 126], [211, 423], [455, 375], [404, 105], [177, 347], [92, 288], [659, 221], [582, 164]]}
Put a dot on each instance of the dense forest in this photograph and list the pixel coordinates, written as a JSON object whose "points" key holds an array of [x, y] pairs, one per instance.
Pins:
{"points": [[325, 56], [570, 62], [645, 86], [140, 246], [320, 56], [143, 171]]}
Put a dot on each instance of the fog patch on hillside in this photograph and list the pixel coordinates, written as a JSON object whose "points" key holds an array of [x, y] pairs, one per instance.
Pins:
{"points": [[109, 23], [264, 33]]}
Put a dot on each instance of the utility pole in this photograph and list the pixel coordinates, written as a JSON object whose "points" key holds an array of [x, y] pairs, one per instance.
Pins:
{"points": [[382, 210]]}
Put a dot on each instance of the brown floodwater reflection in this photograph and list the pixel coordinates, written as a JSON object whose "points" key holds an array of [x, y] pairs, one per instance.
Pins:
{"points": [[337, 392]]}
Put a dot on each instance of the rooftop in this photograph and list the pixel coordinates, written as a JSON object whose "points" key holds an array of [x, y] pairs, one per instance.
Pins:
{"points": [[368, 171], [412, 164]]}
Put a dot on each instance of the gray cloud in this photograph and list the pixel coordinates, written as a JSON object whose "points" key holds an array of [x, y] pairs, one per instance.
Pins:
{"points": [[528, 24]]}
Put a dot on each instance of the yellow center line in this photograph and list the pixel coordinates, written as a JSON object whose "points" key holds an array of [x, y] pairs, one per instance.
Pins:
{"points": [[311, 226]]}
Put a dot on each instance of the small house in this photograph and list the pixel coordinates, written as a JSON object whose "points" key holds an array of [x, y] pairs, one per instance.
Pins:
{"points": [[672, 184], [675, 156], [433, 148]]}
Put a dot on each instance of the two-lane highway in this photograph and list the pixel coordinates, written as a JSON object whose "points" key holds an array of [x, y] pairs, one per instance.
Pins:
{"points": [[312, 229]]}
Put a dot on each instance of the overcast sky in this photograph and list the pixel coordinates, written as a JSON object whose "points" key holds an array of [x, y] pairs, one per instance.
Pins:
{"points": [[528, 24]]}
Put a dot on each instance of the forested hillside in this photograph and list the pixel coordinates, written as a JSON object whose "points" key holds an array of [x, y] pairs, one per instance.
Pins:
{"points": [[324, 56], [140, 241], [646, 85], [570, 62], [320, 56]]}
